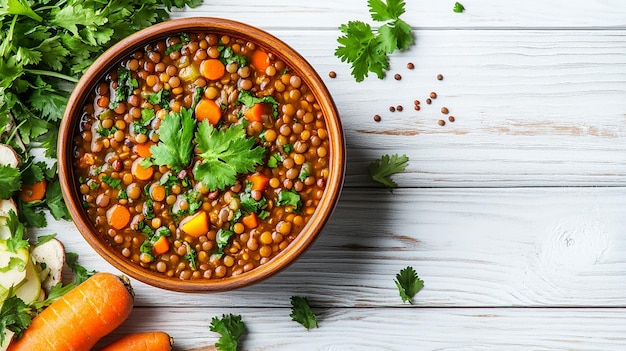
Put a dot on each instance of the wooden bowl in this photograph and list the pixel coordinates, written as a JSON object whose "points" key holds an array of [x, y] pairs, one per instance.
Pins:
{"points": [[226, 27]]}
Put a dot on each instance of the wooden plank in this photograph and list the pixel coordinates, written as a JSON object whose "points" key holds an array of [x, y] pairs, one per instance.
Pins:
{"points": [[482, 247], [393, 328], [420, 14]]}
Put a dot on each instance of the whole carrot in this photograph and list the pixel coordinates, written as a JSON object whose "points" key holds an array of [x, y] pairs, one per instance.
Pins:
{"points": [[148, 341], [81, 317]]}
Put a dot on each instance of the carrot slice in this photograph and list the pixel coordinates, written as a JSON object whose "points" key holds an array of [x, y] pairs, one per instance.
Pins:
{"points": [[34, 192], [260, 60], [118, 216], [250, 221], [139, 172], [255, 113], [259, 181], [197, 225], [78, 319], [157, 192], [161, 245], [148, 341], [209, 110], [212, 69], [143, 150]]}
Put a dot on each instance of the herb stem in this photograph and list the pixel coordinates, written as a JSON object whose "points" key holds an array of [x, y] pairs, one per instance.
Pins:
{"points": [[53, 74]]}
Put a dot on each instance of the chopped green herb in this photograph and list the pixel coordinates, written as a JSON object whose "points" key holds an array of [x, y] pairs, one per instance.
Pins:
{"points": [[247, 99], [190, 256], [160, 98], [408, 284], [112, 182], [287, 148], [231, 328], [125, 86], [225, 154], [9, 181], [301, 312], [175, 145], [222, 238], [227, 55], [173, 48], [367, 50], [17, 230], [289, 198], [15, 315], [381, 169], [106, 131], [122, 194], [458, 7], [305, 171], [80, 273], [274, 159]]}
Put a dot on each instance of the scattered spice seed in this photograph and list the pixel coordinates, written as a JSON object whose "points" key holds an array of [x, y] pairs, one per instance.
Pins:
{"points": [[444, 110], [410, 65], [416, 102], [397, 76], [433, 95], [442, 122], [440, 77], [417, 107], [332, 74], [451, 118], [392, 109], [377, 118], [399, 108], [428, 101]]}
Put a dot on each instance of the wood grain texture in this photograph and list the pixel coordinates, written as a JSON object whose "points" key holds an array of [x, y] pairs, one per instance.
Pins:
{"points": [[396, 329], [486, 247]]}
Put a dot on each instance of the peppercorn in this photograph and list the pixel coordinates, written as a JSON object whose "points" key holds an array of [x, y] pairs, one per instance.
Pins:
{"points": [[399, 108], [392, 109], [444, 110], [377, 118], [428, 101], [416, 102], [417, 107], [439, 77], [332, 74], [433, 95], [410, 65], [397, 76], [451, 118], [442, 122]]}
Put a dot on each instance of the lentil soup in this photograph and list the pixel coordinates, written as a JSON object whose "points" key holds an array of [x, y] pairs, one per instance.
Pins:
{"points": [[201, 156]]}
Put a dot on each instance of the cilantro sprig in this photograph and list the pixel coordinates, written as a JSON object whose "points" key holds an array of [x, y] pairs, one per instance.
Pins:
{"points": [[382, 169], [301, 312], [408, 284], [458, 7], [175, 145], [225, 153], [367, 49], [231, 328], [9, 181]]}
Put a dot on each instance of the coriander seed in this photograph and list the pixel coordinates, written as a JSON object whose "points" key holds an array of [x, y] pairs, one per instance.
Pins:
{"points": [[392, 109], [444, 110], [410, 65], [377, 118], [451, 118], [439, 77], [417, 107], [399, 108], [332, 74], [397, 76], [433, 95], [429, 101], [442, 122]]}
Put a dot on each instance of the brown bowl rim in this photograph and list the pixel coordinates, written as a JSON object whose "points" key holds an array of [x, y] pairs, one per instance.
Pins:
{"points": [[223, 26]]}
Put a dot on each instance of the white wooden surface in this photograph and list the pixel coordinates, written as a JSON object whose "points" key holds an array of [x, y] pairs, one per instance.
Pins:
{"points": [[514, 215]]}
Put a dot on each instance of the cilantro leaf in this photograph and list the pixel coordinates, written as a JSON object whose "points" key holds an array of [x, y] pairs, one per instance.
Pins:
{"points": [[175, 141], [408, 284], [15, 315], [365, 49], [56, 203], [80, 273], [301, 312], [16, 241], [247, 99], [125, 86], [381, 169], [458, 7], [231, 328], [222, 238], [225, 154], [9, 181], [289, 198]]}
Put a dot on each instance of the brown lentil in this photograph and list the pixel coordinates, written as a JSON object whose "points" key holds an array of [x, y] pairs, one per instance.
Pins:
{"points": [[410, 65], [377, 118], [397, 76], [444, 110], [332, 74], [440, 77], [433, 95], [441, 122], [451, 118]]}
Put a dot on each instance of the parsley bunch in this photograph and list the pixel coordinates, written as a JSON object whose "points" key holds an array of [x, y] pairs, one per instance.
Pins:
{"points": [[367, 49], [231, 328]]}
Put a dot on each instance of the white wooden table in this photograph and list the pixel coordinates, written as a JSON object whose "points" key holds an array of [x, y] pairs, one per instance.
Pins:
{"points": [[514, 215]]}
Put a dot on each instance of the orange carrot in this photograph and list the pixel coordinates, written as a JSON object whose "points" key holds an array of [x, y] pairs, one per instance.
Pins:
{"points": [[260, 60], [143, 150], [148, 341], [118, 216], [212, 69], [208, 109], [81, 317], [255, 113], [250, 221], [259, 181], [161, 245], [34, 192], [139, 172], [197, 225], [157, 191]]}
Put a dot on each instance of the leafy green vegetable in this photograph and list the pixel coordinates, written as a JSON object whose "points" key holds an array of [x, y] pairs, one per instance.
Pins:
{"points": [[80, 273], [231, 328], [175, 141], [162, 98], [222, 238], [367, 50], [111, 182], [289, 198], [9, 181], [16, 240], [225, 153], [190, 256], [458, 7], [274, 159], [301, 312], [15, 315], [381, 169], [55, 202], [125, 86], [247, 99], [408, 284], [305, 171], [227, 55]]}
